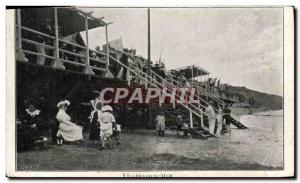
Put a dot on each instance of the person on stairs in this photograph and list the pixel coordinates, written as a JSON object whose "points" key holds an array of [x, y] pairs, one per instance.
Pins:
{"points": [[211, 115]]}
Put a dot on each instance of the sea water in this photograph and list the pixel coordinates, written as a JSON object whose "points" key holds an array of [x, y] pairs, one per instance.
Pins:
{"points": [[259, 145], [262, 142]]}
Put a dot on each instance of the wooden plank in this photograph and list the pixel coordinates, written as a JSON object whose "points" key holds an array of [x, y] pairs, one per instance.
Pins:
{"points": [[37, 32], [37, 54], [72, 62], [37, 43], [72, 53]]}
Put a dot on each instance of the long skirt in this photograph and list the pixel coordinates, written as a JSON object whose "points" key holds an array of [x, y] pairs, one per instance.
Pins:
{"points": [[94, 131], [212, 123], [70, 132], [160, 126], [106, 130]]}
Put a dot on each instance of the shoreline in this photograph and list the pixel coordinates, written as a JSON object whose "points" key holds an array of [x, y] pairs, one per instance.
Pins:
{"points": [[144, 150], [247, 111]]}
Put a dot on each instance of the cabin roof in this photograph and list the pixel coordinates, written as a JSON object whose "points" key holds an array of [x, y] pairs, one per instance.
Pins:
{"points": [[192, 71], [70, 19]]}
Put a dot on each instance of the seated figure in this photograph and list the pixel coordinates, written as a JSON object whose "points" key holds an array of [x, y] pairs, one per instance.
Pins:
{"points": [[67, 131]]}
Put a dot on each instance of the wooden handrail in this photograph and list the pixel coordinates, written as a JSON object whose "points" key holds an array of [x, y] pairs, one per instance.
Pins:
{"points": [[73, 44], [61, 50], [37, 32], [37, 54], [72, 62], [34, 42], [72, 53], [96, 60], [160, 85], [98, 68]]}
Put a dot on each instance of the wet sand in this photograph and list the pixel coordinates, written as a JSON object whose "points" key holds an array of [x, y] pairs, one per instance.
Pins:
{"points": [[258, 148]]}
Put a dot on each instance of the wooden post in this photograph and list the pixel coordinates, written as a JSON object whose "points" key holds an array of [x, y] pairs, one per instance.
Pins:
{"points": [[128, 76], [88, 69], [57, 63], [107, 48], [207, 87], [192, 81], [145, 81], [201, 119], [108, 73], [19, 54], [191, 119], [174, 103], [149, 38]]}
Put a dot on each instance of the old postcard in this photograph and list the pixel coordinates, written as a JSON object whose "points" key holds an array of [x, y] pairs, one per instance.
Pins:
{"points": [[143, 92]]}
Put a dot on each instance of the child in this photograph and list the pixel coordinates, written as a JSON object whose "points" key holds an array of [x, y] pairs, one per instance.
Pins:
{"points": [[179, 124], [106, 124], [185, 129], [160, 126]]}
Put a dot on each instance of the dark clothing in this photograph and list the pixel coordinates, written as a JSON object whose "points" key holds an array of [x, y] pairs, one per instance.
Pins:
{"points": [[27, 134], [95, 128], [161, 133], [54, 129], [227, 116], [179, 127]]}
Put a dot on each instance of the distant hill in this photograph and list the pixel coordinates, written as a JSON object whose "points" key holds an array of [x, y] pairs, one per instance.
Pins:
{"points": [[265, 100]]}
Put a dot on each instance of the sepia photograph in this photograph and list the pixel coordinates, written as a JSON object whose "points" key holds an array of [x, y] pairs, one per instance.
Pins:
{"points": [[150, 91]]}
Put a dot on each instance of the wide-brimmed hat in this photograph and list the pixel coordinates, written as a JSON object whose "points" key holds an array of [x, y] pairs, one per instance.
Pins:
{"points": [[63, 102], [107, 108]]}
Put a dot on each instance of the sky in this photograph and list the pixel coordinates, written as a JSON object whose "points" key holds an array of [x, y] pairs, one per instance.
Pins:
{"points": [[241, 46]]}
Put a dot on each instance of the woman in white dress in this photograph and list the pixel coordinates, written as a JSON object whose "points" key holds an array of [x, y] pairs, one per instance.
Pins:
{"points": [[67, 130]]}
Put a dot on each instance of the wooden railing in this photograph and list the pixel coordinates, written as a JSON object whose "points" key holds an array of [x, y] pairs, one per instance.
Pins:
{"points": [[40, 43], [62, 51]]}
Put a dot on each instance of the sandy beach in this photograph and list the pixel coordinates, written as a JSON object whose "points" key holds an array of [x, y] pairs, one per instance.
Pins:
{"points": [[258, 148]]}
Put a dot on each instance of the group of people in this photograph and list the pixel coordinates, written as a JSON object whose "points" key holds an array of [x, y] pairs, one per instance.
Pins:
{"points": [[103, 127], [222, 117], [103, 124]]}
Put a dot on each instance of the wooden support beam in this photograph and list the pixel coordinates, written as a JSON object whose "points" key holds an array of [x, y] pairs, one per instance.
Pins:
{"points": [[107, 47], [191, 119], [88, 69], [19, 54], [57, 63], [201, 119]]}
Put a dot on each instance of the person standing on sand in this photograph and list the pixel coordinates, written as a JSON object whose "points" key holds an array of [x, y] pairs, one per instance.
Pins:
{"points": [[211, 115], [179, 124], [160, 125], [220, 121], [95, 120], [226, 117], [107, 119]]}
